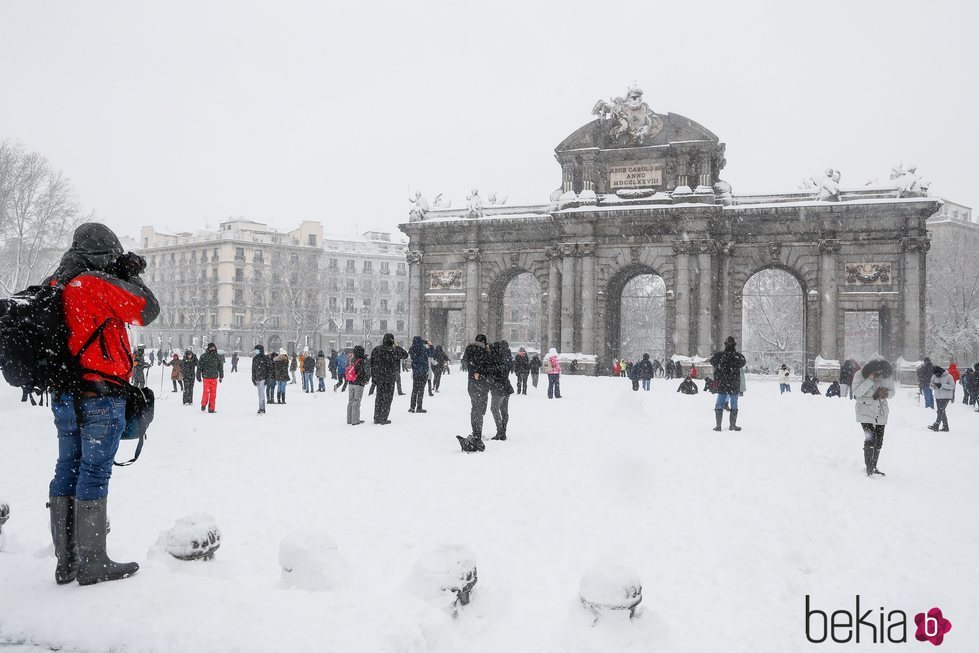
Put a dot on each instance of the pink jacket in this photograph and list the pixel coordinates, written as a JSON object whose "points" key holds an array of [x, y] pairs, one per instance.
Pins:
{"points": [[555, 363]]}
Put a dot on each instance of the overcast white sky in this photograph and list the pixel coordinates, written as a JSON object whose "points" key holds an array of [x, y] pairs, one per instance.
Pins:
{"points": [[173, 113]]}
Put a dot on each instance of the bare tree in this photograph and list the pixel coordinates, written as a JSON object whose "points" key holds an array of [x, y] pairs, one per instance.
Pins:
{"points": [[643, 317], [953, 301], [38, 213]]}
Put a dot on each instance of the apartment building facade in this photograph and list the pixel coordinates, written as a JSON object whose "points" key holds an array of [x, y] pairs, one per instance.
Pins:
{"points": [[247, 283]]}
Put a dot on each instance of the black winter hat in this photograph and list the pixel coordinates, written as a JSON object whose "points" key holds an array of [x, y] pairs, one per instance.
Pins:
{"points": [[94, 247], [938, 371], [481, 338], [388, 339], [730, 343], [878, 365]]}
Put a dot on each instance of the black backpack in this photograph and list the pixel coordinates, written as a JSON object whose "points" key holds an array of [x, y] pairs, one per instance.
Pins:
{"points": [[34, 354]]}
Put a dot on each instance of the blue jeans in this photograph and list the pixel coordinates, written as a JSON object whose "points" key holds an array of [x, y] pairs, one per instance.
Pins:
{"points": [[723, 399], [308, 382], [88, 437], [553, 386], [929, 397], [784, 387], [322, 384], [645, 384], [281, 387]]}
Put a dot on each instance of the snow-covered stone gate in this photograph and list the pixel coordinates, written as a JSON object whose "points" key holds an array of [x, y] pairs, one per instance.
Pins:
{"points": [[641, 194]]}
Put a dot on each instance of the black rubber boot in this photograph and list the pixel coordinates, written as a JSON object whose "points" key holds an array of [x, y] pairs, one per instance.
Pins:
{"points": [[719, 415], [734, 421], [62, 511], [878, 445], [95, 565], [471, 444], [868, 457]]}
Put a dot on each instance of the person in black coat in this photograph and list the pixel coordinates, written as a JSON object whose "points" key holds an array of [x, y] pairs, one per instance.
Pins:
{"points": [[188, 367], [727, 366], [477, 362], [385, 363], [833, 390], [500, 366], [688, 387], [810, 387], [925, 371], [670, 367], [645, 371], [261, 374], [535, 365], [521, 368]]}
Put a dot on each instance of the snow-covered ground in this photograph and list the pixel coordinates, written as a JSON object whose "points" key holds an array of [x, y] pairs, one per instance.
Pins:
{"points": [[728, 532]]}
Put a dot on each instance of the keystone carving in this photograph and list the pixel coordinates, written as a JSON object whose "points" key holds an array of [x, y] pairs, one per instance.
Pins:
{"points": [[414, 256], [471, 253]]}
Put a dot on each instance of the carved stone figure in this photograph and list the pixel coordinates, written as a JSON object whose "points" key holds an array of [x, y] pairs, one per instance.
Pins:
{"points": [[722, 193], [828, 187], [475, 204], [493, 200], [909, 182], [445, 280], [419, 208], [633, 120]]}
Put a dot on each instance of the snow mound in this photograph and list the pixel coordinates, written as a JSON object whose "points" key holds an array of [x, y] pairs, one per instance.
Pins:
{"points": [[444, 577], [195, 537], [311, 561], [610, 586]]}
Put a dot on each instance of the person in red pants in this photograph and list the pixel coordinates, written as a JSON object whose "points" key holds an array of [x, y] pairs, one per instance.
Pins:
{"points": [[210, 370]]}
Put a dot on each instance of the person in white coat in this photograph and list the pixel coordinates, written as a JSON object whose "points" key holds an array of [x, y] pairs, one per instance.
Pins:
{"points": [[943, 385], [783, 380], [872, 385]]}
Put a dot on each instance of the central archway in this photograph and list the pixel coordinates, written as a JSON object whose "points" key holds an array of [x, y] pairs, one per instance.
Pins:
{"points": [[773, 321], [637, 315]]}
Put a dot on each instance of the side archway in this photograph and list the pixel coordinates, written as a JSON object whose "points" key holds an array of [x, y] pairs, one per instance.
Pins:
{"points": [[515, 309], [636, 314]]}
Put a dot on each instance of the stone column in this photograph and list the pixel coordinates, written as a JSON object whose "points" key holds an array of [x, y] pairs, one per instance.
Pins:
{"points": [[553, 297], [828, 306], [568, 251], [472, 292], [914, 251], [724, 280], [588, 307], [681, 336], [416, 292], [705, 345]]}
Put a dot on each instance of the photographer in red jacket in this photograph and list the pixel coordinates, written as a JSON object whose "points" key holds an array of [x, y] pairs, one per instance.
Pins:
{"points": [[102, 294]]}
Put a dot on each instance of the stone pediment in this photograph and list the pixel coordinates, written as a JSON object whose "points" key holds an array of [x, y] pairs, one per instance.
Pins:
{"points": [[599, 134]]}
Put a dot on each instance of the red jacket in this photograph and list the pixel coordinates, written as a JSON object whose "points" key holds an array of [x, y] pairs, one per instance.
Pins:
{"points": [[954, 371], [92, 298]]}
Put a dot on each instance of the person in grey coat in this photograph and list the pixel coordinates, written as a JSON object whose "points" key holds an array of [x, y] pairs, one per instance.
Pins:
{"points": [[872, 385], [943, 386]]}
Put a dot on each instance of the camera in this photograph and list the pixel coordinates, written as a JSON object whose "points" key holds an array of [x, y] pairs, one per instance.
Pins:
{"points": [[128, 265]]}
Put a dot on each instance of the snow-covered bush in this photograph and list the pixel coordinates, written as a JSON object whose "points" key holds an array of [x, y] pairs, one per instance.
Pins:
{"points": [[608, 587], [195, 537], [444, 577], [311, 561]]}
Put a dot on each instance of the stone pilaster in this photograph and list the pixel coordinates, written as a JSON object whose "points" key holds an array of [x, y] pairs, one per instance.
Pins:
{"points": [[416, 291], [829, 301], [724, 280], [472, 292], [912, 314], [567, 297], [553, 297], [588, 261], [681, 263], [705, 322]]}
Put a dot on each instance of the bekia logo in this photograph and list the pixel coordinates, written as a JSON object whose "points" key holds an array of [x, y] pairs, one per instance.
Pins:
{"points": [[874, 627]]}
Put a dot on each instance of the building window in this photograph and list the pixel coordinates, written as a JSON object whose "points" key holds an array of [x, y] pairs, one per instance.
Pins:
{"points": [[334, 264], [384, 325], [366, 286], [348, 304], [349, 285], [259, 256], [239, 295], [385, 267], [384, 306], [311, 240], [402, 269], [351, 265], [239, 253], [204, 275], [350, 326], [239, 274], [333, 303], [401, 326], [214, 256], [257, 275], [401, 307], [401, 286], [239, 320], [367, 302], [385, 288], [367, 326], [275, 322], [368, 266]]}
